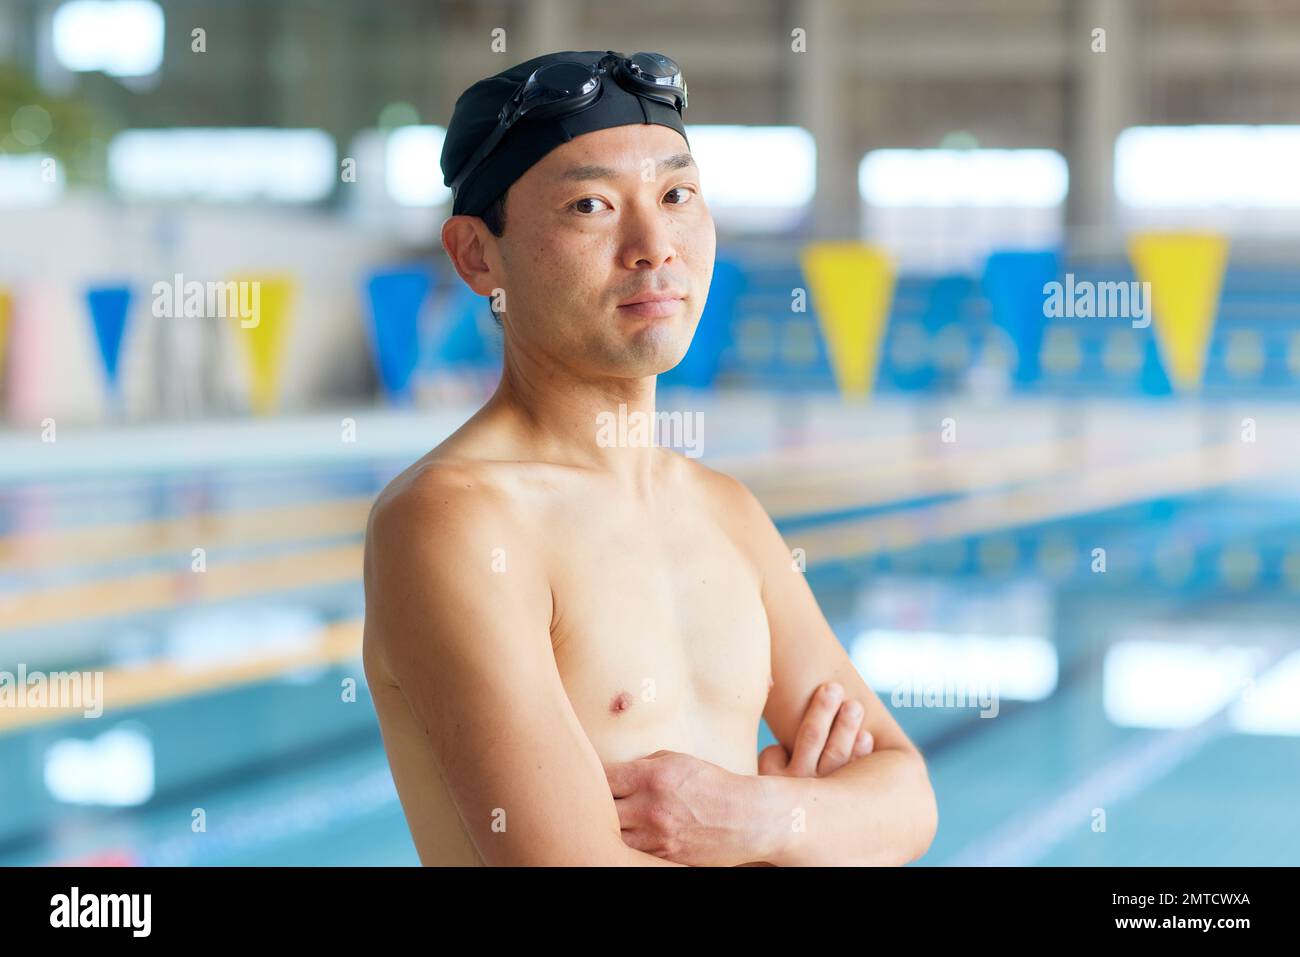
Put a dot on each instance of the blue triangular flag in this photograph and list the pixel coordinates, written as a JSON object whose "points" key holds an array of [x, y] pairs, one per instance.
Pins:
{"points": [[396, 297], [108, 310]]}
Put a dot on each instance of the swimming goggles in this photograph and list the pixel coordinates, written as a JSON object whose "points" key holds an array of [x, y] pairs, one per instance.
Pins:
{"points": [[559, 89]]}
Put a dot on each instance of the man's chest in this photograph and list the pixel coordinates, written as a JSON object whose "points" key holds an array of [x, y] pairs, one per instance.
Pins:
{"points": [[660, 635]]}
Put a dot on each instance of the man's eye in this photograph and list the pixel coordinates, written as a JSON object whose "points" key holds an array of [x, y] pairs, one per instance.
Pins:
{"points": [[588, 199], [681, 189]]}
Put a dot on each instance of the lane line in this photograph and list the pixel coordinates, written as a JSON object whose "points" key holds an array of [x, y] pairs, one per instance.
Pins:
{"points": [[153, 591], [159, 680], [1025, 839], [796, 480], [1097, 490], [164, 679]]}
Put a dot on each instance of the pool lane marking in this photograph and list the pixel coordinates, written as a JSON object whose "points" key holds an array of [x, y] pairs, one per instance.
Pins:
{"points": [[980, 512], [164, 679], [158, 676], [154, 590], [1097, 489], [798, 494], [1027, 837], [36, 548]]}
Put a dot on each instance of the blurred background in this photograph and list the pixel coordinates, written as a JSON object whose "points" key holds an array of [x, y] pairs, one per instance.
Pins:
{"points": [[1004, 332]]}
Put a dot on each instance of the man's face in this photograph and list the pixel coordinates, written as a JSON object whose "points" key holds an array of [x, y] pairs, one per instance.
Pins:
{"points": [[607, 217]]}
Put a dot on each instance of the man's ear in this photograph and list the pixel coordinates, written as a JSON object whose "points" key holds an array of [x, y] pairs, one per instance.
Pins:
{"points": [[466, 240]]}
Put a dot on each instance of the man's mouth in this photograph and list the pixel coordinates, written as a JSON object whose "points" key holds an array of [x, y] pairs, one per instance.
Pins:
{"points": [[652, 307]]}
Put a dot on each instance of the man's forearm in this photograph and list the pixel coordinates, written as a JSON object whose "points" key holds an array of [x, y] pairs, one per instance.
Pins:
{"points": [[878, 809], [635, 858]]}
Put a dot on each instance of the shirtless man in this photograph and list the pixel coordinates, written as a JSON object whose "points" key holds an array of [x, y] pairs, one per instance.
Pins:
{"points": [[570, 644]]}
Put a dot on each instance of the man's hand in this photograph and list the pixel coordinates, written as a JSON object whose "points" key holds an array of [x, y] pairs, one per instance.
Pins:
{"points": [[684, 809], [830, 736], [681, 808]]}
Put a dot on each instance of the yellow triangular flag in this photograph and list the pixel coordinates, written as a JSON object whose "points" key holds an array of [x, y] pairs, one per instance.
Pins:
{"points": [[6, 310], [1185, 271], [851, 285], [264, 332]]}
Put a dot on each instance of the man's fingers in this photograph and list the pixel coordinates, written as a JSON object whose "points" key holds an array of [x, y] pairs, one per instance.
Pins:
{"points": [[629, 814], [622, 777], [638, 840], [816, 725], [773, 759], [864, 744], [839, 743]]}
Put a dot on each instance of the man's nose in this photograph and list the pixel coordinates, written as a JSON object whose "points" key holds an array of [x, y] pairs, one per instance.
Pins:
{"points": [[649, 238]]}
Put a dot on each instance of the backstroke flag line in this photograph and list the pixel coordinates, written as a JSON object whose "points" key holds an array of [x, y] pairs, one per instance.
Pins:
{"points": [[108, 307], [851, 285], [395, 297], [6, 310], [1185, 270], [1013, 281], [263, 336]]}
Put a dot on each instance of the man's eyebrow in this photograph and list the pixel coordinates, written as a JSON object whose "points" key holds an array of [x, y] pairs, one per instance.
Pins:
{"points": [[589, 172]]}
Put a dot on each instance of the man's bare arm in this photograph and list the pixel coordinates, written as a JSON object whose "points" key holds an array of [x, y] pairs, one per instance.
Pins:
{"points": [[470, 649], [877, 809], [843, 808], [678, 806]]}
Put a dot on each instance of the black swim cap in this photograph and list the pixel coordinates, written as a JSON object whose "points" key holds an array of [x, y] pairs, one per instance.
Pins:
{"points": [[475, 117]]}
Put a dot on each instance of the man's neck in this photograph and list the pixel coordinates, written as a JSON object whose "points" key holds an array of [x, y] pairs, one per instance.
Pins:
{"points": [[605, 424]]}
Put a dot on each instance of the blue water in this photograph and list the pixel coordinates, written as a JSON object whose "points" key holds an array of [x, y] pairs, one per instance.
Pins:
{"points": [[286, 771]]}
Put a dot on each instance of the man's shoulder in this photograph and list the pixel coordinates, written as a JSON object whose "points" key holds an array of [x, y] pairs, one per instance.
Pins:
{"points": [[722, 490], [437, 535], [440, 524], [442, 492]]}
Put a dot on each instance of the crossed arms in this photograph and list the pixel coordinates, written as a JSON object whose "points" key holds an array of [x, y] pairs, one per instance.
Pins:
{"points": [[528, 782]]}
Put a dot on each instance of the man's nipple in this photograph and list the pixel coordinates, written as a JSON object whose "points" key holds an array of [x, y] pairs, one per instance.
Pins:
{"points": [[620, 703]]}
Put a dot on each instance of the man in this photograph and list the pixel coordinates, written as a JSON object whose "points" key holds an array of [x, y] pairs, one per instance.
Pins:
{"points": [[570, 642]]}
